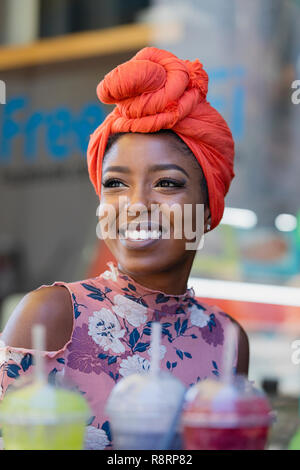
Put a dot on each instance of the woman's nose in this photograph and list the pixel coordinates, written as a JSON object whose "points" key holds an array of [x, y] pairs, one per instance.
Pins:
{"points": [[138, 200]]}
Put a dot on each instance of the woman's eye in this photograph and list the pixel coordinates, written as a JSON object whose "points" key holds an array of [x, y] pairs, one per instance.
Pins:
{"points": [[164, 183], [167, 183], [112, 183]]}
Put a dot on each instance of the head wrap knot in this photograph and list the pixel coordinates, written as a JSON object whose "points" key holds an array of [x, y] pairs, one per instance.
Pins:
{"points": [[155, 90]]}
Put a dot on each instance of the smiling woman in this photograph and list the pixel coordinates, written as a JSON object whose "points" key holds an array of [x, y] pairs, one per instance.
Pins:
{"points": [[164, 177], [162, 146]]}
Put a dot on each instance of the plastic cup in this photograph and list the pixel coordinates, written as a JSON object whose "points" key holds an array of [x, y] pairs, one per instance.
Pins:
{"points": [[142, 409], [40, 416], [233, 416]]}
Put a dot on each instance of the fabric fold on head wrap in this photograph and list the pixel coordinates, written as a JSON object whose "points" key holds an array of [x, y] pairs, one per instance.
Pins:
{"points": [[155, 90]]}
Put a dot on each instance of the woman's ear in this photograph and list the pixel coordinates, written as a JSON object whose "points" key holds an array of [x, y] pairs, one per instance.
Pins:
{"points": [[207, 220]]}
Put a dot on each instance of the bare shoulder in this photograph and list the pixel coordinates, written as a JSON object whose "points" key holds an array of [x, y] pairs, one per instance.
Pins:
{"points": [[50, 306], [243, 349]]}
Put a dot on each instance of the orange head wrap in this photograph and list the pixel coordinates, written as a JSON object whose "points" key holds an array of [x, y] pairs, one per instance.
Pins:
{"points": [[155, 90]]}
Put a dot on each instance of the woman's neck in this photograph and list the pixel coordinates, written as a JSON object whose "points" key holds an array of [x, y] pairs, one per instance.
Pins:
{"points": [[172, 281]]}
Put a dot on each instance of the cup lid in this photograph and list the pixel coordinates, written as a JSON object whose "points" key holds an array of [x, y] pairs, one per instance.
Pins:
{"points": [[145, 393], [239, 403]]}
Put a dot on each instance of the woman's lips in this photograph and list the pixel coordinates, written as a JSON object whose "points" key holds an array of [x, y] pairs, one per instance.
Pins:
{"points": [[138, 235], [138, 245]]}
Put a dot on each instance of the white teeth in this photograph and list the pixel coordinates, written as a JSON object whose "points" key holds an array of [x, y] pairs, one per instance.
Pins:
{"points": [[142, 234]]}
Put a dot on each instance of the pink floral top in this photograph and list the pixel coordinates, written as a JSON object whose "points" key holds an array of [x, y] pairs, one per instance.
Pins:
{"points": [[112, 316]]}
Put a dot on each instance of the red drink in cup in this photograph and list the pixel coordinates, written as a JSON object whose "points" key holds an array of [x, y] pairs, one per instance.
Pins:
{"points": [[226, 416]]}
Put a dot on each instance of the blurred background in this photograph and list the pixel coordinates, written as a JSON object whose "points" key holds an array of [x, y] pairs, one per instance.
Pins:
{"points": [[53, 53]]}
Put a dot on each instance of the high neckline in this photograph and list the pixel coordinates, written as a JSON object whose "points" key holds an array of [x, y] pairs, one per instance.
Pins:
{"points": [[136, 289]]}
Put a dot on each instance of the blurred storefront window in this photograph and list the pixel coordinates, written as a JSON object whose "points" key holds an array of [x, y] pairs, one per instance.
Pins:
{"points": [[67, 16], [251, 51]]}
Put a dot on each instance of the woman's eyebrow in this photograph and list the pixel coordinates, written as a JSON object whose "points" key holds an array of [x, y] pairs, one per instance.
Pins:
{"points": [[121, 169], [166, 166]]}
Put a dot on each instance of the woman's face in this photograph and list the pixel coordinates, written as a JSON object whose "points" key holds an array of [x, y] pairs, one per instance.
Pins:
{"points": [[145, 170]]}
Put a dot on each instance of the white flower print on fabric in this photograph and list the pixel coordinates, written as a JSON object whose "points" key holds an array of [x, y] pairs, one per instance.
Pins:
{"points": [[198, 317], [95, 439], [162, 351], [105, 330], [134, 365], [15, 356], [133, 312], [6, 355], [112, 274]]}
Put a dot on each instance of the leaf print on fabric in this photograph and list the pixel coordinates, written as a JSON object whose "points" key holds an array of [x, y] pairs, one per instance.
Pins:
{"points": [[90, 420], [102, 356], [105, 330], [147, 331], [188, 355], [96, 293], [161, 298], [112, 360], [183, 327], [26, 361], [113, 376], [141, 347], [197, 380], [106, 427], [77, 312], [215, 370], [170, 365], [134, 365], [198, 317], [166, 332], [52, 376], [143, 302], [180, 310], [95, 439], [133, 312], [213, 332], [177, 325], [12, 370], [179, 353], [132, 287], [134, 337]]}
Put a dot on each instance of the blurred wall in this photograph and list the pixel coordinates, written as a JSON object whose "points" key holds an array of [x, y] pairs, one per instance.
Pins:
{"points": [[47, 203]]}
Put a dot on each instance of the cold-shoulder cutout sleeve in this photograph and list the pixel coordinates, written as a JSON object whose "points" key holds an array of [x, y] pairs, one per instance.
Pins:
{"points": [[54, 354], [17, 363]]}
